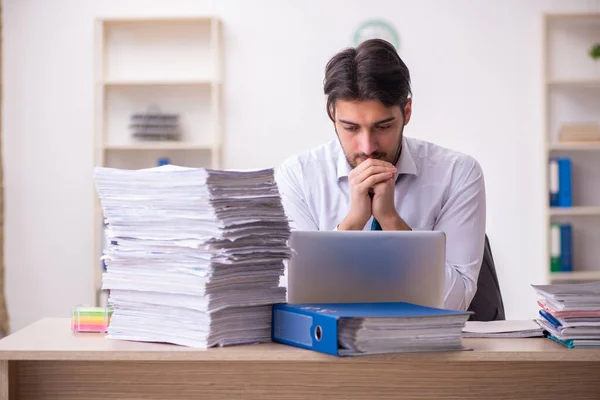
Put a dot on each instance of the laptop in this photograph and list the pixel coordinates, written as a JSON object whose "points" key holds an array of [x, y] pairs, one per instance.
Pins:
{"points": [[367, 266]]}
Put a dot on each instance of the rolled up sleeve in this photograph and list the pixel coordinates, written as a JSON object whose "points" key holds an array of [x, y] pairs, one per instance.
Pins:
{"points": [[290, 182]]}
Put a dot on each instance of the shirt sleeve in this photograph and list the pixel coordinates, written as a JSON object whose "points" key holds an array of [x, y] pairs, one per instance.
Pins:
{"points": [[463, 219], [290, 182]]}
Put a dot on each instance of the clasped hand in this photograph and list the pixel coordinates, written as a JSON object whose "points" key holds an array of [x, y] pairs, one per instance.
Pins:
{"points": [[372, 185]]}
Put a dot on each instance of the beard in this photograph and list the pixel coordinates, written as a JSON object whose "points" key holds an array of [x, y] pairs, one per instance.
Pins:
{"points": [[392, 157]]}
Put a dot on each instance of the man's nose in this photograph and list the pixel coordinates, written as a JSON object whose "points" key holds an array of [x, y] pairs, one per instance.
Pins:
{"points": [[368, 144]]}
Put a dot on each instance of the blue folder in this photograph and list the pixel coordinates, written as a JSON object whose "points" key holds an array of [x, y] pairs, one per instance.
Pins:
{"points": [[315, 326], [550, 318], [565, 198], [566, 248], [561, 174]]}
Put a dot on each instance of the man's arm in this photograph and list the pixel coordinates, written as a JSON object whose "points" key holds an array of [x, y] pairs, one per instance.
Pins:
{"points": [[463, 218], [289, 178]]}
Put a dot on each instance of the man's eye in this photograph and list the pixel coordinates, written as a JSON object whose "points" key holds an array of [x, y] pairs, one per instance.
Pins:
{"points": [[383, 127], [351, 128]]}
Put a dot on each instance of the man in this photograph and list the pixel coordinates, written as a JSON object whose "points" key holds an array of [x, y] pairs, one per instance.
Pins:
{"points": [[372, 177]]}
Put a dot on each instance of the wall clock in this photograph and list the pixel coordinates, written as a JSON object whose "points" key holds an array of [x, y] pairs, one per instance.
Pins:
{"points": [[376, 28]]}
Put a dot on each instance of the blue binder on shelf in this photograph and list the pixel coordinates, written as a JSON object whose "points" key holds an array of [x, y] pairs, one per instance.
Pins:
{"points": [[560, 182], [566, 248], [315, 326]]}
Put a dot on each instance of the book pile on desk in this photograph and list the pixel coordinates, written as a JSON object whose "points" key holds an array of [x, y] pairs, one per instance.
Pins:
{"points": [[570, 313], [195, 255]]}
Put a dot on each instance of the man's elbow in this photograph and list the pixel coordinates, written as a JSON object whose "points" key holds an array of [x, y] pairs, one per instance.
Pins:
{"points": [[461, 294]]}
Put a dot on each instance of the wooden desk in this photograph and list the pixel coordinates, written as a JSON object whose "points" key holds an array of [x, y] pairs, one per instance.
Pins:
{"points": [[47, 361]]}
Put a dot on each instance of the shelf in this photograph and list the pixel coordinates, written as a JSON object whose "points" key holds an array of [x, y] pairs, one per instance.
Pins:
{"points": [[591, 83], [193, 104], [150, 50], [166, 82], [579, 146], [159, 146], [137, 20], [566, 211], [578, 17], [575, 276], [571, 100]]}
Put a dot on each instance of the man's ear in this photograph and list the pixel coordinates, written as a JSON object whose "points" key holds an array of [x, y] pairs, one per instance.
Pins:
{"points": [[407, 111]]}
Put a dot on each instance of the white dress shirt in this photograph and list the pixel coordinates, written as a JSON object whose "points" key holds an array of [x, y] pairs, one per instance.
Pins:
{"points": [[436, 189]]}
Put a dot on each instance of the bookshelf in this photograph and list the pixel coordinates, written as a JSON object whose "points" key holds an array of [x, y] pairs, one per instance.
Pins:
{"points": [[572, 98], [162, 65]]}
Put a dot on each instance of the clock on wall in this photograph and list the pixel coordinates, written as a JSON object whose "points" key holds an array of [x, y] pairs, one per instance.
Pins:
{"points": [[376, 28]]}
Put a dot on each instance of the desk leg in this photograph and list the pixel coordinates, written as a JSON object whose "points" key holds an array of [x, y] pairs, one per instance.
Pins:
{"points": [[4, 380], [8, 380]]}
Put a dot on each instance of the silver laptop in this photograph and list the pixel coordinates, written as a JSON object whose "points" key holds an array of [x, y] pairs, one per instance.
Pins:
{"points": [[367, 266]]}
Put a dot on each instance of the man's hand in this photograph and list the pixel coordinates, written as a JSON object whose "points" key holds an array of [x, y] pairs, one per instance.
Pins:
{"points": [[364, 178], [383, 206]]}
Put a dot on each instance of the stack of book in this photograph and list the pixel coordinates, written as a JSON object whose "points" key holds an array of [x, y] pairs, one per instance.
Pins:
{"points": [[570, 313], [155, 125], [351, 329], [195, 255]]}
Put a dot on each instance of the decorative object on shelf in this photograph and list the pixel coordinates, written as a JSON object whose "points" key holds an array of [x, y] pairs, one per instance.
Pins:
{"points": [[579, 133], [376, 28], [163, 161], [155, 125], [595, 54]]}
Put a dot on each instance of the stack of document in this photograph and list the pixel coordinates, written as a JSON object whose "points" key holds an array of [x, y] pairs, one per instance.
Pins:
{"points": [[502, 329], [350, 329], [570, 313], [195, 255]]}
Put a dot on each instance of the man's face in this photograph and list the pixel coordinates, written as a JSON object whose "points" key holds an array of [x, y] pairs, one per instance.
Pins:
{"points": [[369, 129]]}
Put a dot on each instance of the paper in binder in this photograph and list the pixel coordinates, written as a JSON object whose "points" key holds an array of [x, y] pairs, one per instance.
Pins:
{"points": [[351, 329]]}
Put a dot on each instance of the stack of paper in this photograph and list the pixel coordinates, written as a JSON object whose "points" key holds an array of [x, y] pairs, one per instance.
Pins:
{"points": [[502, 329], [195, 255], [398, 327], [394, 335], [570, 313]]}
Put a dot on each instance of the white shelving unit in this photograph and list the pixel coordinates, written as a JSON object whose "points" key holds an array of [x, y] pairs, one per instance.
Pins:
{"points": [[574, 211], [172, 63], [578, 276], [572, 96]]}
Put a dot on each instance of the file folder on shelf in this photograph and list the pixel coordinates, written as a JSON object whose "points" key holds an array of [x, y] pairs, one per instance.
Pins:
{"points": [[561, 247], [560, 187], [368, 328]]}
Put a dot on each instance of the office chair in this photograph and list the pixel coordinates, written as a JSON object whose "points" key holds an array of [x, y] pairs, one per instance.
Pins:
{"points": [[487, 304]]}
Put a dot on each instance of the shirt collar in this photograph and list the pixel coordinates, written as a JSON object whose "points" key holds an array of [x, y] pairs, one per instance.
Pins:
{"points": [[405, 165]]}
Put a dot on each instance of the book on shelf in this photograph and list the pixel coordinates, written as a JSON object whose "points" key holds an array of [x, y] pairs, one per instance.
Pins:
{"points": [[561, 247], [560, 182], [579, 133]]}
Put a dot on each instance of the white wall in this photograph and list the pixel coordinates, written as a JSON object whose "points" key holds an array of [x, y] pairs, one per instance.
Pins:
{"points": [[477, 88]]}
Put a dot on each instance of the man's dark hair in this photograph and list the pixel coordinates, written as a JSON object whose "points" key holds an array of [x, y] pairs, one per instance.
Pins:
{"points": [[371, 71]]}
